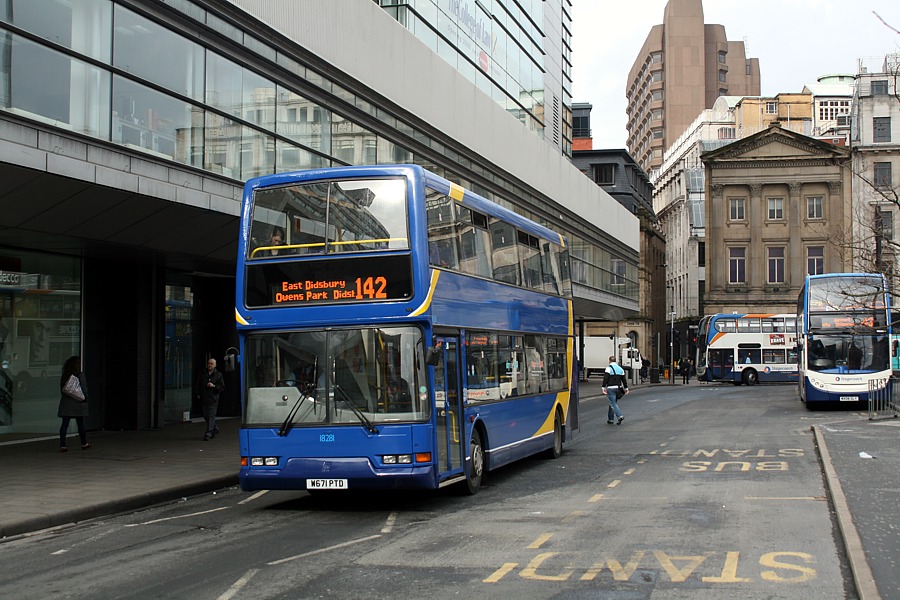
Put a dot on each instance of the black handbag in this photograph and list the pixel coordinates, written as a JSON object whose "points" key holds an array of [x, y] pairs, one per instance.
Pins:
{"points": [[620, 393]]}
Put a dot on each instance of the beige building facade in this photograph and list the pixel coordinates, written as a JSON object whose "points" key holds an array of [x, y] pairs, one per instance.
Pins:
{"points": [[792, 111], [875, 140], [683, 66], [778, 207]]}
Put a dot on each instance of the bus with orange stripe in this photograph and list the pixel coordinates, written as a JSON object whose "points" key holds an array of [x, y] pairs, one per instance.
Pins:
{"points": [[746, 349]]}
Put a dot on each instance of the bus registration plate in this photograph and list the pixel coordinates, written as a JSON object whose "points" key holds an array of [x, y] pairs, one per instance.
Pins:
{"points": [[326, 484], [849, 398]]}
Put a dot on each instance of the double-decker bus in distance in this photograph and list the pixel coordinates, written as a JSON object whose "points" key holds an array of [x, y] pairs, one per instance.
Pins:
{"points": [[747, 348], [397, 331], [844, 336]]}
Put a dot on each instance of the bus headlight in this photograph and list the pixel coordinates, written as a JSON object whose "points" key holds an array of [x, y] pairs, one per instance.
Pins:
{"points": [[397, 459], [817, 383], [263, 461]]}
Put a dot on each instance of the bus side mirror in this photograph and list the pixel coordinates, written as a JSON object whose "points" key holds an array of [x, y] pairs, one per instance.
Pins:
{"points": [[432, 357], [229, 360]]}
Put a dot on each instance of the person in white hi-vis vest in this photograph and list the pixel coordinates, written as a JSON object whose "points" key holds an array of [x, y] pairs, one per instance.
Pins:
{"points": [[615, 385]]}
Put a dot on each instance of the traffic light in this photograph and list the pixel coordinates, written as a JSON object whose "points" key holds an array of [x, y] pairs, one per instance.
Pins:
{"points": [[677, 338]]}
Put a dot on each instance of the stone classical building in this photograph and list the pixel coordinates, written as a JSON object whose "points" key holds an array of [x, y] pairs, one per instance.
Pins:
{"points": [[683, 66], [777, 209]]}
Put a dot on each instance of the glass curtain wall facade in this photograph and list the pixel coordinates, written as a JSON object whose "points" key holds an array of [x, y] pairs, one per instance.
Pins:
{"points": [[496, 44], [40, 327], [120, 73]]}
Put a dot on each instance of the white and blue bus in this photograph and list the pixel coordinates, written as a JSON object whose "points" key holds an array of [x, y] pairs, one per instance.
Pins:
{"points": [[747, 348], [397, 331], [844, 335]]}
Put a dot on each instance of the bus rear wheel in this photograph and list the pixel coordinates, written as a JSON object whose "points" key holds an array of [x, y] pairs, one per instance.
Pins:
{"points": [[475, 472], [750, 377]]}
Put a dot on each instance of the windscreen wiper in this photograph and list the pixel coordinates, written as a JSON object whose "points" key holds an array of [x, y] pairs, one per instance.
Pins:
{"points": [[359, 415], [289, 422]]}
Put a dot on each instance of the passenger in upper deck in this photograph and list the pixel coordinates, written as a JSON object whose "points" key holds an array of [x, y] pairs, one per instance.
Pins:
{"points": [[276, 239], [266, 249]]}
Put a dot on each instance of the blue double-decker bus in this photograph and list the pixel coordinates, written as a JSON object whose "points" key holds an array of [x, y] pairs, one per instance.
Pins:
{"points": [[844, 337], [396, 331]]}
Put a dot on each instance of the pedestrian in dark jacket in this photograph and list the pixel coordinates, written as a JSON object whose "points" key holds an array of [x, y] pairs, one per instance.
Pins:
{"points": [[685, 367], [210, 384], [615, 385], [72, 407]]}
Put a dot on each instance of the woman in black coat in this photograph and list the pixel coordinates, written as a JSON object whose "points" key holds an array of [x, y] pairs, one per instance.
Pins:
{"points": [[71, 407]]}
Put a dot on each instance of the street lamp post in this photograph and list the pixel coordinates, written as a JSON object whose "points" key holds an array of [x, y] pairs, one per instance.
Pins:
{"points": [[672, 349]]}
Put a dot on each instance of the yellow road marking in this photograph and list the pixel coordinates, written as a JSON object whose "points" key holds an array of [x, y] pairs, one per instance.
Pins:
{"points": [[500, 573], [530, 572], [614, 483], [540, 540], [729, 571]]}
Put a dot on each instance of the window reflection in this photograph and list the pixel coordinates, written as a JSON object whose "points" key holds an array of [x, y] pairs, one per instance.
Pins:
{"points": [[69, 93], [174, 63], [292, 158], [352, 143], [38, 332], [222, 138], [147, 119], [303, 121], [340, 216], [84, 26], [335, 376]]}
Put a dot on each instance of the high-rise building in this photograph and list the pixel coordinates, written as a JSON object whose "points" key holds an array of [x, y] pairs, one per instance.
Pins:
{"points": [[519, 53], [683, 66]]}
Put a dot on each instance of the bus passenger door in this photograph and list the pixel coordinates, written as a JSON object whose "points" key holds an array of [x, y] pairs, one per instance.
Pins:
{"points": [[721, 363], [448, 403]]}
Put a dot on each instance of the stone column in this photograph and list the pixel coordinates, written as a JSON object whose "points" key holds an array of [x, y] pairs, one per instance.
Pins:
{"points": [[796, 256], [756, 256]]}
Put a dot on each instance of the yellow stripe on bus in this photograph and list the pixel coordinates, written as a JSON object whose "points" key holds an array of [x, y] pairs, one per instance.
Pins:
{"points": [[435, 273]]}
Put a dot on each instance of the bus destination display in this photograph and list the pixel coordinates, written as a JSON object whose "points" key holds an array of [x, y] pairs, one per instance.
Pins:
{"points": [[334, 290], [331, 281], [845, 321]]}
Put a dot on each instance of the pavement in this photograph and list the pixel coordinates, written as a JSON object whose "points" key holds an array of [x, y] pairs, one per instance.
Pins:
{"points": [[129, 470]]}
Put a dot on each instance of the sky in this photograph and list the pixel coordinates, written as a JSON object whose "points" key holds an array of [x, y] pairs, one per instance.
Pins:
{"points": [[796, 42]]}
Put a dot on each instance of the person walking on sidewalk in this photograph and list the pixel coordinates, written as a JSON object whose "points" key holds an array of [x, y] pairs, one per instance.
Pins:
{"points": [[209, 385], [615, 385], [73, 406]]}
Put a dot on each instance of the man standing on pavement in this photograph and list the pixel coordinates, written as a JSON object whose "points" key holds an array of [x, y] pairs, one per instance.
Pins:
{"points": [[615, 385], [685, 366], [209, 385]]}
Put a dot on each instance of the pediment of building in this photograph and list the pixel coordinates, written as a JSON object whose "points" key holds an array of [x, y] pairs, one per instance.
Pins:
{"points": [[776, 145]]}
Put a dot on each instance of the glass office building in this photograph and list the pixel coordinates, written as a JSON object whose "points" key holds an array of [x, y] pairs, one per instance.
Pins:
{"points": [[130, 127]]}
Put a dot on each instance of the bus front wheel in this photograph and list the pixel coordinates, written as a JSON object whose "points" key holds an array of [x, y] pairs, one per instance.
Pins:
{"points": [[556, 450], [750, 377], [475, 472]]}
